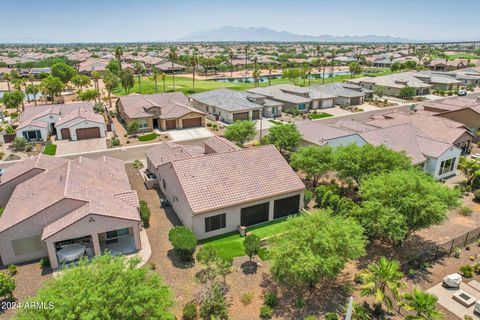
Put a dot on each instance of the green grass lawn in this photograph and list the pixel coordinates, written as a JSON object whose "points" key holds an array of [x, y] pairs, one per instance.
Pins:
{"points": [[148, 137], [319, 115], [231, 245], [50, 149], [184, 84]]}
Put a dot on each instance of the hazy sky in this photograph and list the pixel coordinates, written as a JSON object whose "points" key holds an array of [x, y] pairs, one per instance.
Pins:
{"points": [[149, 20]]}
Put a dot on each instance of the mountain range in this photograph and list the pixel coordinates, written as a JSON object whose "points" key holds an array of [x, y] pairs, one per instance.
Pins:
{"points": [[254, 34]]}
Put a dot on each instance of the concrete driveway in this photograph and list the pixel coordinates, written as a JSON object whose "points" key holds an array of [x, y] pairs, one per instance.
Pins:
{"points": [[65, 147], [189, 134]]}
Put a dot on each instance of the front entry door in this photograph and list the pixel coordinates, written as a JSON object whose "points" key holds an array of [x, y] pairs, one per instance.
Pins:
{"points": [[155, 123]]}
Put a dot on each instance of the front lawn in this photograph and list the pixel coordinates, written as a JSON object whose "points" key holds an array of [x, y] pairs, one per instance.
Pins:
{"points": [[50, 149], [320, 115], [148, 137], [231, 245]]}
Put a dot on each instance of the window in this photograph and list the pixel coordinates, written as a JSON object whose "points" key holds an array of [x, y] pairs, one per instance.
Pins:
{"points": [[27, 245], [301, 106], [142, 123], [32, 135], [215, 222], [446, 166]]}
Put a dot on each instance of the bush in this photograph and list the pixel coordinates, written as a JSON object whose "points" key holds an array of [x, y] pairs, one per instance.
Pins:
{"points": [[246, 298], [310, 318], [476, 195], [183, 241], [44, 263], [465, 211], [467, 271], [115, 142], [307, 197], [251, 244], [145, 213], [467, 317], [266, 312], [19, 144], [270, 299], [456, 252], [476, 268], [7, 286], [214, 305], [331, 316], [12, 269], [190, 311], [299, 302], [28, 148], [358, 278]]}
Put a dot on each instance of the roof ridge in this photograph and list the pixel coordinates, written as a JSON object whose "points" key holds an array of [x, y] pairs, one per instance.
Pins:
{"points": [[67, 174]]}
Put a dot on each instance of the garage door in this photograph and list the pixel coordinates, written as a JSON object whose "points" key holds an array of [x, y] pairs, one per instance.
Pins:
{"points": [[65, 132], [88, 133], [255, 114], [355, 101], [254, 214], [240, 116], [171, 124], [190, 123], [286, 206]]}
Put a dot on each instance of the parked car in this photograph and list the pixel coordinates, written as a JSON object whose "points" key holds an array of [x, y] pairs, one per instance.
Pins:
{"points": [[452, 280], [462, 93], [477, 307]]}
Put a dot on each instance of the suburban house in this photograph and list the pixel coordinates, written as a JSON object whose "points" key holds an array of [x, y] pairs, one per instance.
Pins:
{"points": [[469, 76], [345, 94], [163, 111], [442, 64], [166, 66], [314, 132], [54, 206], [296, 98], [225, 188], [75, 121], [99, 65], [393, 83], [229, 105]]}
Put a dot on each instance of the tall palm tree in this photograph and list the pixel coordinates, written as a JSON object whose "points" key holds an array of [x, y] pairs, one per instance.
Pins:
{"points": [[269, 68], [422, 304], [324, 65], [139, 70], [111, 81], [231, 55], [118, 55], [381, 280], [172, 55], [8, 77], [163, 76], [255, 60], [96, 77], [333, 60], [318, 57], [246, 48], [256, 77], [193, 63], [155, 75]]}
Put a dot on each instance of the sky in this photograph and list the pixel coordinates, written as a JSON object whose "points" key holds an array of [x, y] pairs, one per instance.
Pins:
{"points": [[150, 20]]}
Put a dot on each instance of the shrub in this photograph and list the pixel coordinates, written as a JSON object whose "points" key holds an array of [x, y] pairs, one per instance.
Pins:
{"points": [[12, 269], [44, 263], [28, 148], [266, 312], [7, 286], [467, 317], [299, 302], [190, 311], [145, 213], [214, 305], [465, 211], [251, 243], [476, 268], [270, 299], [19, 144], [358, 278], [10, 130], [137, 164], [307, 197], [183, 241], [115, 142], [467, 271], [246, 298], [310, 318], [476, 195], [456, 252], [331, 316]]}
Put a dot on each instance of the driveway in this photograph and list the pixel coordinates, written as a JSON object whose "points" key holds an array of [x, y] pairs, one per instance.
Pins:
{"points": [[65, 147], [189, 134]]}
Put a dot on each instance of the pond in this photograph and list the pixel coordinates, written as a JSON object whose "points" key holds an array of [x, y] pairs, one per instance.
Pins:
{"points": [[26, 98], [264, 79]]}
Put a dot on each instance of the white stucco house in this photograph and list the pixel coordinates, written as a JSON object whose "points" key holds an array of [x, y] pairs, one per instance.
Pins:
{"points": [[73, 121]]}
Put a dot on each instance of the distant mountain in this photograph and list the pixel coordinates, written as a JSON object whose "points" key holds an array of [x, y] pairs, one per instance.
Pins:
{"points": [[229, 33], [23, 40]]}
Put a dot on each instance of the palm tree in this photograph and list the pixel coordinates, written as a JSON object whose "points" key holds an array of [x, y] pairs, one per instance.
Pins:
{"points": [[31, 77], [318, 57], [155, 75], [256, 76], [380, 280], [163, 76], [231, 55], [423, 304], [118, 55], [193, 63], [111, 81], [172, 55], [333, 60], [139, 71], [309, 74], [8, 77], [324, 65], [255, 60], [246, 48], [269, 68], [96, 77]]}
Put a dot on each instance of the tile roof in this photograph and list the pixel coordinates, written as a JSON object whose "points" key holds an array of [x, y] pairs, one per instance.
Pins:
{"points": [[292, 94], [319, 133], [338, 89], [226, 99], [40, 161], [218, 144], [226, 179], [167, 152]]}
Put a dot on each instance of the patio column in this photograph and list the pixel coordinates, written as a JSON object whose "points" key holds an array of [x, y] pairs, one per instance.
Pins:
{"points": [[250, 115], [52, 254], [136, 235], [96, 245]]}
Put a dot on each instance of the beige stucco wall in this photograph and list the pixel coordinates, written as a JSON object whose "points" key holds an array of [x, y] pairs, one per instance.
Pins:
{"points": [[33, 226]]}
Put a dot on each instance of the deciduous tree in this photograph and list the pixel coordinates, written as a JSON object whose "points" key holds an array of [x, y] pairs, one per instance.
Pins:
{"points": [[314, 161], [283, 136], [241, 131]]}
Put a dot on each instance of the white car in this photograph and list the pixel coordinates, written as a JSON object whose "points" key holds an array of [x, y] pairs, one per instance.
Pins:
{"points": [[477, 307], [452, 280]]}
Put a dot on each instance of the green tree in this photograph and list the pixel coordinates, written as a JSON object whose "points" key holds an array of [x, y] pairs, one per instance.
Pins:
{"points": [[294, 74], [155, 75], [241, 131], [163, 76], [118, 55], [111, 81], [51, 87], [193, 60], [173, 56], [383, 281], [13, 99], [354, 68], [231, 55], [7, 286], [63, 71], [81, 81], [353, 161], [214, 305], [470, 168], [183, 241], [283, 136], [403, 202], [423, 304], [126, 80], [380, 91], [407, 93], [315, 246], [114, 67], [19, 144], [139, 68], [394, 67], [105, 288], [96, 78], [251, 243], [88, 95], [7, 77], [314, 161], [133, 127]]}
